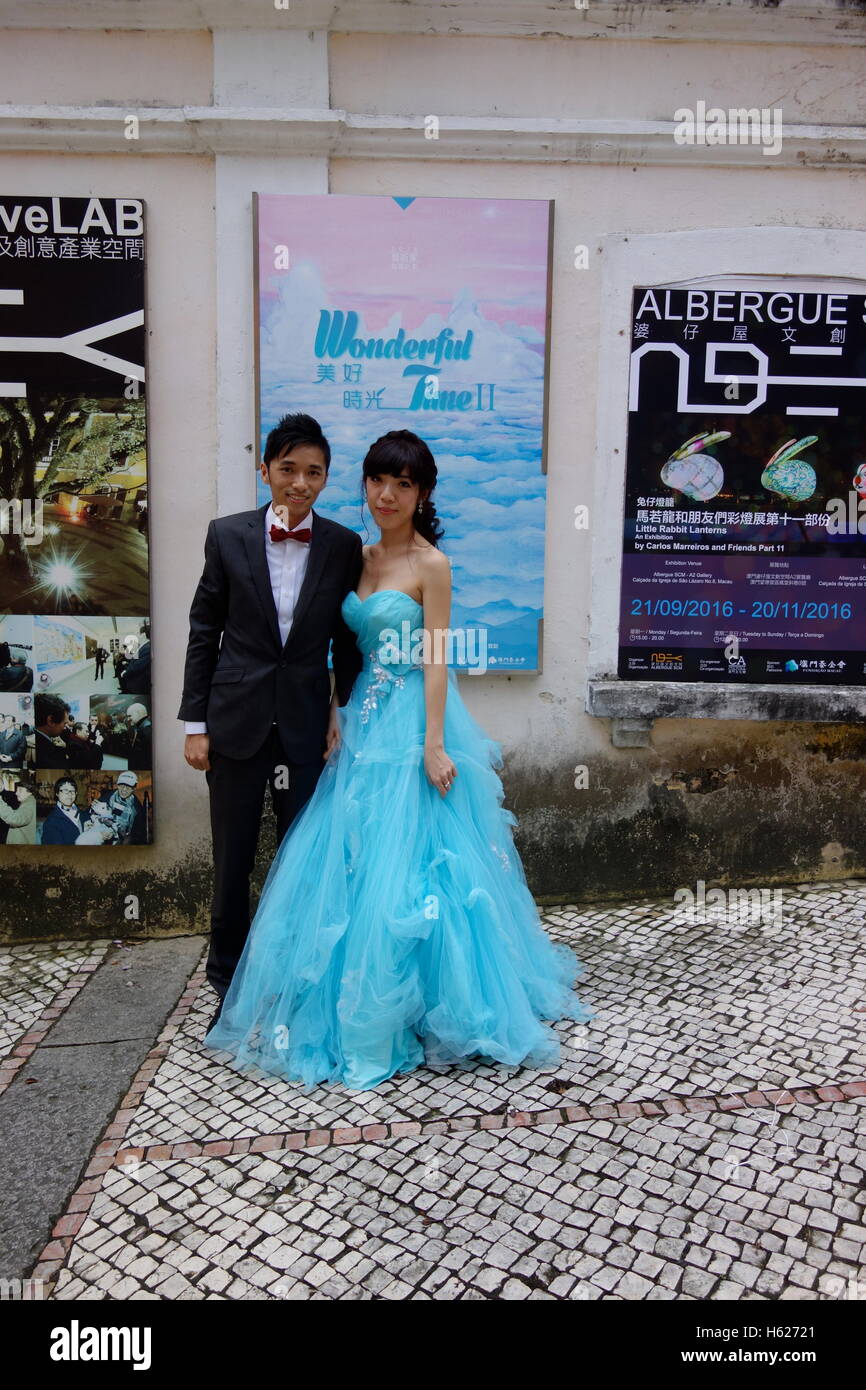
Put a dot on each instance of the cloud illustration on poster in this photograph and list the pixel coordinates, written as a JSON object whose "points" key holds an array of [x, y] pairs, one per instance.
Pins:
{"points": [[480, 294]]}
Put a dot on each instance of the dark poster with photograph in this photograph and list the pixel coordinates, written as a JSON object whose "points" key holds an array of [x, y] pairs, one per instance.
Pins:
{"points": [[744, 553], [75, 642]]}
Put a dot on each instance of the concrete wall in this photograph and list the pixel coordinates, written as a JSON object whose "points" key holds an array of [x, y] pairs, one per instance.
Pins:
{"points": [[742, 802]]}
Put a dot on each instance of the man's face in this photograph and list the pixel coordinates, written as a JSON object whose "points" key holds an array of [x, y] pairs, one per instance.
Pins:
{"points": [[126, 791], [56, 726], [296, 478], [66, 794]]}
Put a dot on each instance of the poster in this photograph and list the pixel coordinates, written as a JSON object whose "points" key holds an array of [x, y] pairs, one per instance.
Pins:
{"points": [[75, 649], [427, 314], [744, 548]]}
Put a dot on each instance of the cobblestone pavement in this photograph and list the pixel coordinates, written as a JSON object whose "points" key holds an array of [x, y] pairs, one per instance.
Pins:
{"points": [[701, 1138], [36, 984]]}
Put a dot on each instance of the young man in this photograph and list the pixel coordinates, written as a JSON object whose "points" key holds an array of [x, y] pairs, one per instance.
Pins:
{"points": [[63, 824], [52, 731], [257, 699]]}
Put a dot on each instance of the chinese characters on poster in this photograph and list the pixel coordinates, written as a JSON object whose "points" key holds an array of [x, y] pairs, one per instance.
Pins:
{"points": [[744, 553], [75, 649], [427, 314]]}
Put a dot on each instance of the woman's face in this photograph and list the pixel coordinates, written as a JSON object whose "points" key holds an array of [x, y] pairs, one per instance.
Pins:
{"points": [[392, 500], [66, 794]]}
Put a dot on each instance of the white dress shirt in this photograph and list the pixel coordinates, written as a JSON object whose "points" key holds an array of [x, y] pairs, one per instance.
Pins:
{"points": [[287, 565]]}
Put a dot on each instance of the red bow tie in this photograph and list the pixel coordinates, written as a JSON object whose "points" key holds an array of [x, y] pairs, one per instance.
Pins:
{"points": [[278, 534]]}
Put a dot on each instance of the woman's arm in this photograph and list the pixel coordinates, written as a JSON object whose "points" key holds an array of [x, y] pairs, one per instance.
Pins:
{"points": [[436, 594], [332, 737]]}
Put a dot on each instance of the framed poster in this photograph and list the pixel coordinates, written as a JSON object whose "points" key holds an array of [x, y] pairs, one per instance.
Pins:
{"points": [[75, 652], [744, 548], [427, 314]]}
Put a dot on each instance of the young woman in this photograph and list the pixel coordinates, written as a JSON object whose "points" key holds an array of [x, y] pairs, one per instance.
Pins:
{"points": [[395, 928]]}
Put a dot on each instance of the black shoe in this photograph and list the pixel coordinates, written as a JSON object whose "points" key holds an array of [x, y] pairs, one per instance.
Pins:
{"points": [[219, 1010]]}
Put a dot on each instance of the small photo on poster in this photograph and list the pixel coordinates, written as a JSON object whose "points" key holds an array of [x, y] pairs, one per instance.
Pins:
{"points": [[61, 738], [95, 808], [92, 656], [79, 544], [17, 733], [121, 728], [16, 653], [17, 807]]}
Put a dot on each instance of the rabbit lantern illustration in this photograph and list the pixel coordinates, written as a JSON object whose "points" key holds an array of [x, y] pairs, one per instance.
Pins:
{"points": [[696, 474], [789, 476]]}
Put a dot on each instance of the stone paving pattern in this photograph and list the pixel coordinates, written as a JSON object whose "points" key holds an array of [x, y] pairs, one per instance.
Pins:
{"points": [[37, 983], [700, 1138], [684, 1207]]}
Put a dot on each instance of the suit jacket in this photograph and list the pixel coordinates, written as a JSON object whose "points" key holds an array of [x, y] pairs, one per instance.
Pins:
{"points": [[139, 757], [14, 745], [16, 678], [239, 676], [58, 829], [135, 676], [50, 754]]}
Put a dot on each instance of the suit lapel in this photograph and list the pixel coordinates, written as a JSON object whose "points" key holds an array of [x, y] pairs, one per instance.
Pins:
{"points": [[254, 541], [320, 544]]}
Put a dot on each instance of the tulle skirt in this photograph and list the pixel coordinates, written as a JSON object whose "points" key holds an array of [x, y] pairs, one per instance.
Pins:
{"points": [[395, 928]]}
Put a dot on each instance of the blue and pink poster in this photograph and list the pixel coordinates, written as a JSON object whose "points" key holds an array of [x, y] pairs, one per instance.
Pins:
{"points": [[428, 314]]}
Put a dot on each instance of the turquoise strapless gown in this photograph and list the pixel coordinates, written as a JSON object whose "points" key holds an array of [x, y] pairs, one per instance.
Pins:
{"points": [[395, 928]]}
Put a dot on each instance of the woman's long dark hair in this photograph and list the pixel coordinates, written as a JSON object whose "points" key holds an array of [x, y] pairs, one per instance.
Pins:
{"points": [[399, 449]]}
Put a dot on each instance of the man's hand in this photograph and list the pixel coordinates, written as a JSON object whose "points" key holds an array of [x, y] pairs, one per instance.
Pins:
{"points": [[196, 748]]}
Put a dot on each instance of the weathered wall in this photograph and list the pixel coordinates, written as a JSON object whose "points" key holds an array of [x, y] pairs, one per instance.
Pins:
{"points": [[56, 891], [746, 803]]}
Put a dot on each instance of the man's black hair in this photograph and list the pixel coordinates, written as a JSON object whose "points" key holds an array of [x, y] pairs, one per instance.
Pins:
{"points": [[296, 429], [50, 707]]}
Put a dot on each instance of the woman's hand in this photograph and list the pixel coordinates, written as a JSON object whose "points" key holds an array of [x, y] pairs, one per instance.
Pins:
{"points": [[332, 738], [439, 767]]}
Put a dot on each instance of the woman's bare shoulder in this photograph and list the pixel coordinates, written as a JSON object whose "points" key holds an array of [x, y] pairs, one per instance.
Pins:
{"points": [[433, 562]]}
